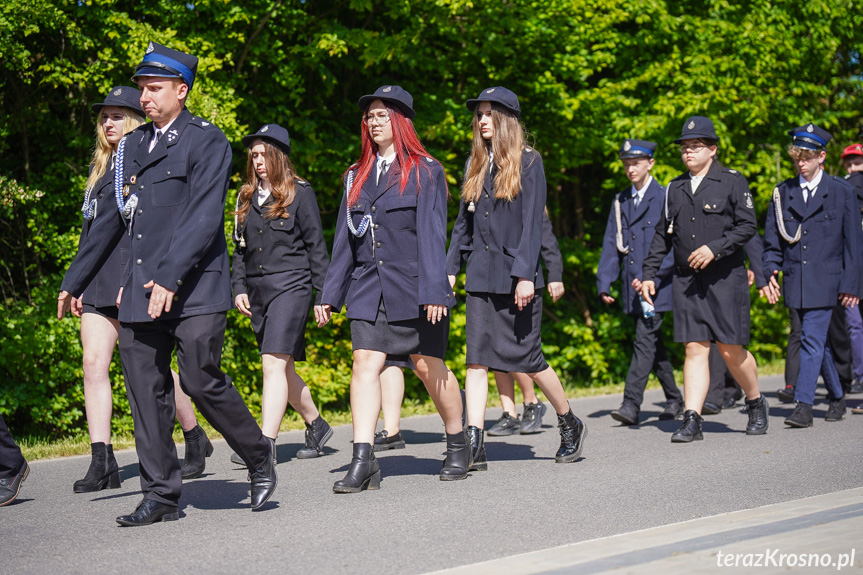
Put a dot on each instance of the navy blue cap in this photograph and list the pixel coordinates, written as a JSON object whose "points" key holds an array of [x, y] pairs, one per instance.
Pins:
{"points": [[392, 94], [698, 128], [637, 149], [498, 95], [163, 62], [809, 137], [123, 97], [274, 133]]}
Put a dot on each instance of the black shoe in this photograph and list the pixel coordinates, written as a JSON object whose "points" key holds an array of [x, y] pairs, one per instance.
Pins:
{"points": [[149, 512], [758, 412], [383, 442], [237, 460], [836, 410], [732, 401], [673, 408], [457, 457], [506, 425], [710, 408], [198, 449], [364, 472], [573, 432], [11, 486], [627, 413], [103, 472], [786, 394], [855, 388], [478, 460], [531, 419], [264, 479], [318, 433], [690, 429], [801, 416]]}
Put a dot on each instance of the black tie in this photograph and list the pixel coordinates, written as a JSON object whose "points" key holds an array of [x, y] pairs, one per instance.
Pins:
{"points": [[381, 171], [156, 139]]}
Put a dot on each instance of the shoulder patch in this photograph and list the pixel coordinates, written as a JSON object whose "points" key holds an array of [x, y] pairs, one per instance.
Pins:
{"points": [[199, 122], [299, 181], [730, 171], [528, 149], [429, 160]]}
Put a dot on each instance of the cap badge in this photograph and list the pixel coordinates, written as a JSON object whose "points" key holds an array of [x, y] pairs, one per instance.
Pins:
{"points": [[489, 91], [810, 128], [118, 91], [691, 125], [387, 89], [627, 146], [132, 179], [150, 48], [265, 128]]}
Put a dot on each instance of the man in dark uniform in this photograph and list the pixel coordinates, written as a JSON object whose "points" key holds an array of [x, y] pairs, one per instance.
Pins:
{"points": [[176, 289], [812, 235], [628, 234], [709, 218], [13, 466]]}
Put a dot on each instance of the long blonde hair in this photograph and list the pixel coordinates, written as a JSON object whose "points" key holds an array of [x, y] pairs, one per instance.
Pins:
{"points": [[506, 145], [281, 173], [102, 154]]}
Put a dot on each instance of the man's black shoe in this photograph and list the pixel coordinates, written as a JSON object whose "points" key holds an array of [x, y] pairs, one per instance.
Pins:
{"points": [[264, 479], [732, 401], [855, 388], [672, 409], [801, 416], [710, 408], [10, 486], [786, 394], [690, 429], [383, 442], [758, 412], [836, 410], [627, 414], [149, 512], [506, 425]]}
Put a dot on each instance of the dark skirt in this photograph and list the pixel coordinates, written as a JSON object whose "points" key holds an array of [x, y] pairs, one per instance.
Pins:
{"points": [[712, 307], [109, 311], [401, 338], [502, 338], [280, 305], [403, 361]]}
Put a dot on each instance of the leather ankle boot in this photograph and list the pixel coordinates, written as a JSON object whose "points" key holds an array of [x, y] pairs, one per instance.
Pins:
{"points": [[690, 429], [801, 416], [318, 433], [573, 432], [457, 457], [198, 448], [476, 437], [364, 472], [103, 473], [758, 411]]}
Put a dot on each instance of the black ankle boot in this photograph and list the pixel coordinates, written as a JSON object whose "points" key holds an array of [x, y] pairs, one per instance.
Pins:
{"points": [[457, 457], [364, 473], [103, 473], [476, 438], [318, 433], [758, 411], [573, 432], [198, 448], [690, 429]]}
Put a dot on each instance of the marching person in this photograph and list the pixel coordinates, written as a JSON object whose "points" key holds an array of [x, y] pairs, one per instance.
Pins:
{"points": [[119, 113], [280, 257], [13, 467], [709, 218], [389, 268], [812, 235], [628, 235], [499, 233], [173, 179]]}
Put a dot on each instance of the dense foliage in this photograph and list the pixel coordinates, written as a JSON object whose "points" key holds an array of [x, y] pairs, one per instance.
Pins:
{"points": [[588, 73]]}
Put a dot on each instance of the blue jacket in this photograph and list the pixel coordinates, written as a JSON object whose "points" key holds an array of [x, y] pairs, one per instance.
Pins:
{"points": [[638, 226], [826, 260], [402, 257]]}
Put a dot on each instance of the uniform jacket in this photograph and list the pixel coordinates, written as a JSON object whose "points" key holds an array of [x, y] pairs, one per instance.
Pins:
{"points": [[402, 257], [550, 252], [501, 240], [721, 215], [638, 226], [755, 254], [282, 244], [177, 235], [826, 260]]}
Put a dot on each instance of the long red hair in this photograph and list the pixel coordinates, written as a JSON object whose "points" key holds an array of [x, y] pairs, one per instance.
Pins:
{"points": [[408, 148]]}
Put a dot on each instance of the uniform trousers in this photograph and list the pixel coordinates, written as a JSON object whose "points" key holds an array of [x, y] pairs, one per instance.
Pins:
{"points": [[145, 350], [11, 460], [816, 356], [840, 347], [648, 354], [854, 322]]}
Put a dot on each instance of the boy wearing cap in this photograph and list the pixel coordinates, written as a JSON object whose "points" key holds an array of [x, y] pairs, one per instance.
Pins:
{"points": [[628, 234], [812, 234], [708, 219], [852, 158]]}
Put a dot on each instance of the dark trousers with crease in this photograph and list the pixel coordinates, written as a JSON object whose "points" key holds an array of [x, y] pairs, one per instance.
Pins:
{"points": [[840, 344], [146, 349], [648, 354], [11, 460]]}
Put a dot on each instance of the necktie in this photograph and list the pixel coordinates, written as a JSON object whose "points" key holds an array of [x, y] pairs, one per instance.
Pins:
{"points": [[382, 170], [156, 139], [636, 199]]}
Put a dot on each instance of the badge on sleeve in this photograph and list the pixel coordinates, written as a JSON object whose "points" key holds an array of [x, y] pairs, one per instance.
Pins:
{"points": [[749, 203]]}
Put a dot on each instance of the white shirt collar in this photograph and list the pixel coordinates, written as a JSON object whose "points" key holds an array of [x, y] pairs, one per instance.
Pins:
{"points": [[262, 195], [164, 128], [640, 193], [814, 183]]}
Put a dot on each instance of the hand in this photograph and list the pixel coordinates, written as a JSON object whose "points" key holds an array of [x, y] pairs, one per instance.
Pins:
{"points": [[849, 300], [434, 312], [771, 290], [119, 297], [161, 299], [77, 306], [750, 276], [242, 303], [648, 290], [636, 284], [606, 298], [555, 290], [323, 313], [64, 303], [451, 281], [700, 258], [524, 292]]}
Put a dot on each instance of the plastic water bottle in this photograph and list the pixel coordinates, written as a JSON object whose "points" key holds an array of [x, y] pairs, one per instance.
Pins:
{"points": [[647, 309]]}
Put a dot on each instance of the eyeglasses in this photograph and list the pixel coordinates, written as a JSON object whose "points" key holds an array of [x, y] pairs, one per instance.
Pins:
{"points": [[376, 119], [694, 148]]}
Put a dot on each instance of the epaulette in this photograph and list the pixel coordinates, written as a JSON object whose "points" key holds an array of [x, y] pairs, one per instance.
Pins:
{"points": [[200, 122]]}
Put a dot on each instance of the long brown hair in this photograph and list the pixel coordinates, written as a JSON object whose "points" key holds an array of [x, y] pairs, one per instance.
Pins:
{"points": [[103, 150], [281, 173], [506, 145]]}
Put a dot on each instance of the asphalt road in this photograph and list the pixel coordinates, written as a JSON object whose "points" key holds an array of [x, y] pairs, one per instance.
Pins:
{"points": [[630, 478]]}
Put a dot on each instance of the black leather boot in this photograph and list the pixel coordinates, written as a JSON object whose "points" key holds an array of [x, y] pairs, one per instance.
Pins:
{"points": [[476, 437], [573, 432], [457, 457], [264, 479], [801, 416], [758, 411], [318, 433], [690, 429], [364, 473], [103, 473], [198, 448]]}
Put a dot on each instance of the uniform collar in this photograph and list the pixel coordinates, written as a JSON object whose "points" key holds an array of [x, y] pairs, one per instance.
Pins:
{"points": [[814, 183], [640, 192]]}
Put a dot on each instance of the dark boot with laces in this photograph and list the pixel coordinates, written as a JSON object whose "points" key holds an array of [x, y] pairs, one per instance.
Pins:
{"points": [[801, 416], [758, 411], [836, 410], [573, 432], [690, 429], [318, 433]]}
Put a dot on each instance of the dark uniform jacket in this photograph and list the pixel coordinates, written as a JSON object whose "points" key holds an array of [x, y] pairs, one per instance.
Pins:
{"points": [[177, 236], [826, 260], [755, 254], [405, 260], [282, 244], [501, 240], [638, 226], [550, 252]]}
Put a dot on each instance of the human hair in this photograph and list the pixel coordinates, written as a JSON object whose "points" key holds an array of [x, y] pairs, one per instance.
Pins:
{"points": [[506, 145], [798, 154], [103, 150], [281, 174], [409, 150]]}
